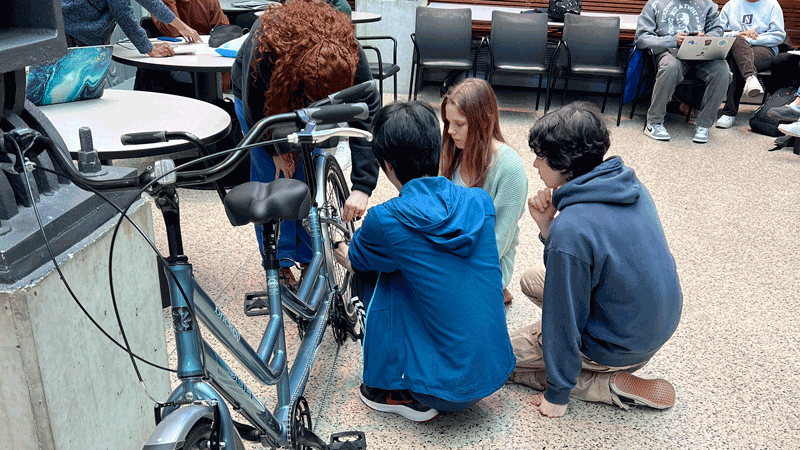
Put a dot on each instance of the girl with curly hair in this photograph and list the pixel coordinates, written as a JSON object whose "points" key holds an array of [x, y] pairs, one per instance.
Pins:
{"points": [[298, 53], [474, 154]]}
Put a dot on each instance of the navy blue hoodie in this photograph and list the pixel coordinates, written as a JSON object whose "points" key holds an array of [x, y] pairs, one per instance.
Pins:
{"points": [[436, 323], [611, 290]]}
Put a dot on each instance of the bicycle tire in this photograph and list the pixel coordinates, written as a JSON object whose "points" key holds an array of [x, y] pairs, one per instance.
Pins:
{"points": [[335, 192], [199, 434]]}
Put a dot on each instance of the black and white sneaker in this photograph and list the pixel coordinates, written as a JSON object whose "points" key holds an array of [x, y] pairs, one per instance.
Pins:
{"points": [[398, 402]]}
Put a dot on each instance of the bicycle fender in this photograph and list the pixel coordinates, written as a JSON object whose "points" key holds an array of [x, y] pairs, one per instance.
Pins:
{"points": [[173, 429]]}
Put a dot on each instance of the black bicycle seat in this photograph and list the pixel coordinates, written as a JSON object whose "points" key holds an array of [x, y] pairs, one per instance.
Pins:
{"points": [[259, 203]]}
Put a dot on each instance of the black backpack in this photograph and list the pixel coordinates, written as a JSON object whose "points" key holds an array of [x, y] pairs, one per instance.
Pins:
{"points": [[763, 124]]}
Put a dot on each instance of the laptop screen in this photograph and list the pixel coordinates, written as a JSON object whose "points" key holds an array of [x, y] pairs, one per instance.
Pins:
{"points": [[78, 75]]}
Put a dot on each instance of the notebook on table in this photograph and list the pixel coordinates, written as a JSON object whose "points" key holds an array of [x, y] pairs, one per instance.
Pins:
{"points": [[704, 48], [78, 75]]}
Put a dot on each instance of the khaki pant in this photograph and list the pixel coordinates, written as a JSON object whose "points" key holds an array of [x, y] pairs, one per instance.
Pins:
{"points": [[593, 382]]}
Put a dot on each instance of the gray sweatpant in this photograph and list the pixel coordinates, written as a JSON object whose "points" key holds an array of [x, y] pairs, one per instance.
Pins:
{"points": [[671, 71]]}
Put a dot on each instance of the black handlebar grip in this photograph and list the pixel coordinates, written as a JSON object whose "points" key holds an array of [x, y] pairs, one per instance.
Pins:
{"points": [[357, 92], [338, 113], [145, 137]]}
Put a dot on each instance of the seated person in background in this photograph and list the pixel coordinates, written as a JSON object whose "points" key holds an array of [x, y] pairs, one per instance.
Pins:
{"points": [[474, 154], [274, 73], [662, 27], [202, 15], [788, 116], [758, 28], [609, 291], [91, 22], [426, 264]]}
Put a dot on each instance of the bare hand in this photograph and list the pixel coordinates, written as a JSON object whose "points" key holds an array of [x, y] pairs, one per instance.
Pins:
{"points": [[160, 50], [752, 34], [284, 163], [341, 254], [680, 37], [541, 209], [186, 31], [355, 206], [546, 408]]}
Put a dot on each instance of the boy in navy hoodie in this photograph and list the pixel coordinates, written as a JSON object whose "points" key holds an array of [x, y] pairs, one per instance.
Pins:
{"points": [[428, 271], [609, 292]]}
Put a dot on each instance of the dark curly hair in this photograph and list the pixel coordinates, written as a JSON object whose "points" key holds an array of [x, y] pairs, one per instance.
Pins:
{"points": [[313, 50], [574, 139]]}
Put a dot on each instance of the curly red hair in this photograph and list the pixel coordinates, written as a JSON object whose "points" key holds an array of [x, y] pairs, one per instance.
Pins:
{"points": [[313, 50]]}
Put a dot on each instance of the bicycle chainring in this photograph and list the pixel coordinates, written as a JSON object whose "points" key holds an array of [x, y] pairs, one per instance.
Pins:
{"points": [[301, 422]]}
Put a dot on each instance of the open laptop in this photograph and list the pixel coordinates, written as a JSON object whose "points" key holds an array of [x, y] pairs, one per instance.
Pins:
{"points": [[78, 75], [704, 48]]}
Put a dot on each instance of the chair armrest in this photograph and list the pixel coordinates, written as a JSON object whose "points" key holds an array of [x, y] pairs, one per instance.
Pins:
{"points": [[478, 52], [377, 52], [383, 38]]}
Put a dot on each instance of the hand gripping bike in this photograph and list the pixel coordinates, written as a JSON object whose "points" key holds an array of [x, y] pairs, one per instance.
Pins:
{"points": [[197, 414]]}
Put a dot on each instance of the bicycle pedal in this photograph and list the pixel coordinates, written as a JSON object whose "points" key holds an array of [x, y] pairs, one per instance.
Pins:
{"points": [[348, 440], [256, 303]]}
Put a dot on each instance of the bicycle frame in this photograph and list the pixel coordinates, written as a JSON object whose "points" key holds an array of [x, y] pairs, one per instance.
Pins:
{"points": [[204, 375]]}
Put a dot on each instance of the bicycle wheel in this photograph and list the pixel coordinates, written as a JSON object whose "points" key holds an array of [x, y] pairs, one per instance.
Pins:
{"points": [[198, 437], [347, 316], [334, 228]]}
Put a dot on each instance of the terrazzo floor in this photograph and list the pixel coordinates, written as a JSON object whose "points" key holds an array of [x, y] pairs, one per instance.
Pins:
{"points": [[730, 210]]}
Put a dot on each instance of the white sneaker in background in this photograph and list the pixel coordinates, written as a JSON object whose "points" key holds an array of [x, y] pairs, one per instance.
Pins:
{"points": [[725, 121], [342, 154], [752, 87]]}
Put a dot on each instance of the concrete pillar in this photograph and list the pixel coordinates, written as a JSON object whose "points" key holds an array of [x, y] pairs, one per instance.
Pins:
{"points": [[63, 385], [398, 18]]}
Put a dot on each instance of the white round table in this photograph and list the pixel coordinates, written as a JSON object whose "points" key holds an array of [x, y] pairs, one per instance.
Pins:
{"points": [[119, 112]]}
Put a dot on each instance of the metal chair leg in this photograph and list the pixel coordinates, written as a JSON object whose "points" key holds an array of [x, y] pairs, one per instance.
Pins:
{"points": [[605, 96], [539, 91]]}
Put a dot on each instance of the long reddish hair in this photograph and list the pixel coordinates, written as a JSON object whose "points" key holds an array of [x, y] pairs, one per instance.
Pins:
{"points": [[475, 99], [313, 50]]}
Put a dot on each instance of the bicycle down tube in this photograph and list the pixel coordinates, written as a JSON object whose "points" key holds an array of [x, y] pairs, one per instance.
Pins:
{"points": [[269, 363]]}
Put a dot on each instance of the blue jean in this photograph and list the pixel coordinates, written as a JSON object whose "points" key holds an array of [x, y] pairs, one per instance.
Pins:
{"points": [[294, 243]]}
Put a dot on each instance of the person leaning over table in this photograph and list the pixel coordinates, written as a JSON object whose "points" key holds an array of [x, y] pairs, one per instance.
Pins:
{"points": [[91, 22], [276, 71], [662, 27], [757, 26], [609, 289]]}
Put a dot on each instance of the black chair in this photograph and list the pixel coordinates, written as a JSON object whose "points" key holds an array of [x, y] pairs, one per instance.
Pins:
{"points": [[150, 27], [517, 44], [442, 39], [382, 70], [591, 45]]}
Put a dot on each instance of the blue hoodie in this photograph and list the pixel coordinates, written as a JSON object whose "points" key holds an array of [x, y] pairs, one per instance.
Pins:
{"points": [[611, 290], [436, 323]]}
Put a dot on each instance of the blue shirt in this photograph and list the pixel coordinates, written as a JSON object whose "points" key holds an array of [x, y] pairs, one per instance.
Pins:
{"points": [[436, 322]]}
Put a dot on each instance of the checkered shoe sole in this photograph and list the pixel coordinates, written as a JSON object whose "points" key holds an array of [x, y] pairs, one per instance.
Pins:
{"points": [[657, 393]]}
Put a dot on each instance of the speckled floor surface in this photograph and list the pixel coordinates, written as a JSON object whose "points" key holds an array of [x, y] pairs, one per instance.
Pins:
{"points": [[731, 213]]}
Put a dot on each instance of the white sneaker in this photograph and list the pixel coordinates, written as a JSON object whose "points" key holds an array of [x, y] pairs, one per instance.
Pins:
{"points": [[791, 129], [656, 131], [752, 87], [700, 135], [725, 121]]}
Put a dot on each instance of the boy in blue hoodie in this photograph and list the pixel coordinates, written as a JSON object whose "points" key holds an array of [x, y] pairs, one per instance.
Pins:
{"points": [[435, 333], [609, 292]]}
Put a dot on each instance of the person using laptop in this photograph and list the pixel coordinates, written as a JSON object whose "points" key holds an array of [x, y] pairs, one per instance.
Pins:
{"points": [[662, 27], [757, 26]]}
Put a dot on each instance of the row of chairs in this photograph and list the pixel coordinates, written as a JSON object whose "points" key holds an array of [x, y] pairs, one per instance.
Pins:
{"points": [[518, 44]]}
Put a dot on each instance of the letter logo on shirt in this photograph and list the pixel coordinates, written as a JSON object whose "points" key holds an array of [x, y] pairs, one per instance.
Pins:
{"points": [[747, 19]]}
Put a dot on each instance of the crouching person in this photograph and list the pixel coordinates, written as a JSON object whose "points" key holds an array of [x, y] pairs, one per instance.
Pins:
{"points": [[427, 268], [609, 291]]}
